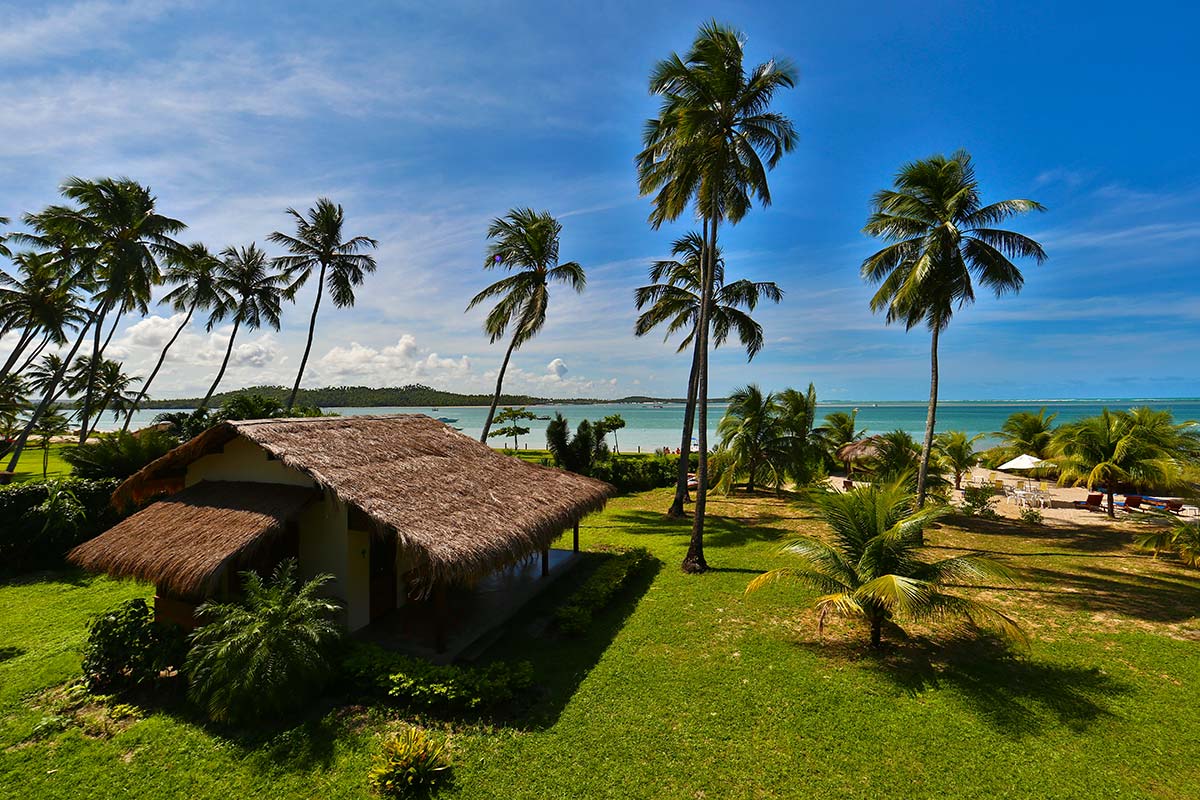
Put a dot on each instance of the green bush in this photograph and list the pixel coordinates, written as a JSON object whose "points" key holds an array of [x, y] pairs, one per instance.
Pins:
{"points": [[435, 687], [638, 474], [118, 455], [575, 616], [977, 501], [410, 762], [126, 648], [33, 532], [1031, 516]]}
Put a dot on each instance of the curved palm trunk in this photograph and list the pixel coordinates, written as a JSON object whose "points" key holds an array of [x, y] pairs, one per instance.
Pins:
{"points": [[930, 420], [33, 354], [312, 326], [51, 394], [221, 372], [161, 358], [487, 424], [89, 387], [694, 560], [685, 446], [22, 342]]}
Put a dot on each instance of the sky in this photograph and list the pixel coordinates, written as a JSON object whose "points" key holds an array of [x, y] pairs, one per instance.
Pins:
{"points": [[427, 120]]}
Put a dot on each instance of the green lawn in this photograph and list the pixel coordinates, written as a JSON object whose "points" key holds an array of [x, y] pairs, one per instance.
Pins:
{"points": [[29, 468], [687, 689]]}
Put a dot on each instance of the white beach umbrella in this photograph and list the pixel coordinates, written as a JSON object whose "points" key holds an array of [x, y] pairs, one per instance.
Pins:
{"points": [[1025, 461]]}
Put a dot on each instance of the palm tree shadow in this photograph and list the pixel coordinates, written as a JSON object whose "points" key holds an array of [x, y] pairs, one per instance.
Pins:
{"points": [[720, 531], [1017, 696]]}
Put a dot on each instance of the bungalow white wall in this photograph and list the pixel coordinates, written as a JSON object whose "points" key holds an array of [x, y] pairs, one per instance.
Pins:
{"points": [[327, 544]]}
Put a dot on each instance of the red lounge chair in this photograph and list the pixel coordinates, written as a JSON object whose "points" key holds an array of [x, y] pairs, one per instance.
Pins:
{"points": [[847, 484], [1093, 502], [1132, 502]]}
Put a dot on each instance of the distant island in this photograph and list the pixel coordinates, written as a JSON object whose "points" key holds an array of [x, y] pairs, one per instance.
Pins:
{"points": [[413, 395]]}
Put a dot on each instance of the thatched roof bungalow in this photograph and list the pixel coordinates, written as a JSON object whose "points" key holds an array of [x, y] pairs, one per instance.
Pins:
{"points": [[393, 506]]}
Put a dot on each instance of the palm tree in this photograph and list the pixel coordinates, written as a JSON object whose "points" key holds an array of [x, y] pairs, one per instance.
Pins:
{"points": [[873, 569], [526, 242], [252, 659], [192, 270], [247, 290], [51, 425], [896, 454], [839, 430], [38, 302], [1026, 432], [1116, 447], [752, 436], [118, 237], [318, 244], [113, 387], [941, 237], [957, 451], [673, 297], [805, 446], [713, 141]]}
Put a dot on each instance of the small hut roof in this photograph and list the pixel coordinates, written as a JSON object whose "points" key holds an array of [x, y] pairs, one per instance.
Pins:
{"points": [[185, 542], [461, 508], [862, 450]]}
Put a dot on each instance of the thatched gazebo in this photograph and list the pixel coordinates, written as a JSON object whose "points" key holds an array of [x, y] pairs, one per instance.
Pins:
{"points": [[853, 453], [396, 507]]}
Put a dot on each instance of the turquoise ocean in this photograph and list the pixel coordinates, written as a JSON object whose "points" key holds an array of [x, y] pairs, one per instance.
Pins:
{"points": [[651, 426]]}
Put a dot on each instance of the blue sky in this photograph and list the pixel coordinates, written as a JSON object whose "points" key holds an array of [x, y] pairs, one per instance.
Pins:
{"points": [[427, 119]]}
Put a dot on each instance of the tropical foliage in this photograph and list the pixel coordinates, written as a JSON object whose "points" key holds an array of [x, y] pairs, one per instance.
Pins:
{"points": [[941, 239], [526, 243], [510, 420], [578, 453], [1026, 432], [1182, 539], [259, 657], [956, 453], [118, 454], [712, 143], [410, 762], [874, 567]]}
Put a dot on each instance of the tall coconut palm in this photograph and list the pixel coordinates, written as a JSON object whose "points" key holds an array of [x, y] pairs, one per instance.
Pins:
{"points": [[524, 242], [713, 142], [39, 302], [342, 265], [673, 297], [192, 270], [753, 438], [1026, 432], [118, 237], [248, 290], [1116, 447], [805, 447], [114, 391], [874, 569], [941, 238]]}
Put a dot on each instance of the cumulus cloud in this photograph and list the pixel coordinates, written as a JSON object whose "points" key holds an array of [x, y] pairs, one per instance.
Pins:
{"points": [[402, 362], [557, 367]]}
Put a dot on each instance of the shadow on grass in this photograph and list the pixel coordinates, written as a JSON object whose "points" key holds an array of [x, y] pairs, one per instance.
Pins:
{"points": [[1093, 588], [8, 652], [70, 576], [719, 531], [561, 663], [1015, 695], [1091, 539]]}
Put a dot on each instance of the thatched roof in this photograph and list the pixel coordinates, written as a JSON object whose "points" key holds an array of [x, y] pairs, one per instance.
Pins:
{"points": [[461, 508], [862, 450], [185, 542]]}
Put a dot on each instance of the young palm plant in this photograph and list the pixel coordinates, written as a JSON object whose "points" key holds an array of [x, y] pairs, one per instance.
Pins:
{"points": [[673, 299], [957, 451], [714, 140], [1026, 432], [874, 569], [753, 441], [255, 659], [525, 242], [839, 430], [247, 289], [318, 245], [941, 238]]}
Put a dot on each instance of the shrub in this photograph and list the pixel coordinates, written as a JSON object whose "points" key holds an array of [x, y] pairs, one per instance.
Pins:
{"points": [[1031, 516], [977, 501], [35, 534], [638, 474], [410, 762], [575, 616], [118, 455], [435, 687], [262, 656], [126, 648]]}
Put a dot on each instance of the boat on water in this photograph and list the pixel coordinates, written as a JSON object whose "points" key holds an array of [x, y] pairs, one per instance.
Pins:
{"points": [[447, 420]]}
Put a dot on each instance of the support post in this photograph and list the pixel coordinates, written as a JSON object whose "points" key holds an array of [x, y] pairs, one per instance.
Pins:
{"points": [[576, 541], [439, 617], [545, 561]]}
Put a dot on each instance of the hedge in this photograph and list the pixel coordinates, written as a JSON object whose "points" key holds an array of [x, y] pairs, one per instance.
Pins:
{"points": [[575, 615], [28, 543]]}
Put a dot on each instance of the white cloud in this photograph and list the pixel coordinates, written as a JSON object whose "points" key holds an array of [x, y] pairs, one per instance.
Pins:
{"points": [[72, 27], [557, 367]]}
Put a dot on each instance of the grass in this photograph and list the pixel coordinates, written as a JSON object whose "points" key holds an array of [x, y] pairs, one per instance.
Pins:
{"points": [[29, 468], [686, 688]]}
